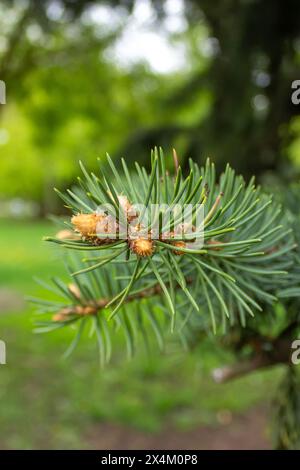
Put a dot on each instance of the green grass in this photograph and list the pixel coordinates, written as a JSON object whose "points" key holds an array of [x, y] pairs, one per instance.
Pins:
{"points": [[48, 402]]}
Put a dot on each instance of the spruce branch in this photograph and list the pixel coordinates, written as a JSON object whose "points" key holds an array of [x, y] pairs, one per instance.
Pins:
{"points": [[248, 250]]}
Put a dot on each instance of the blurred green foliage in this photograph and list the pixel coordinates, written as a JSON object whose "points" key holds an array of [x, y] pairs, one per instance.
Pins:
{"points": [[68, 97]]}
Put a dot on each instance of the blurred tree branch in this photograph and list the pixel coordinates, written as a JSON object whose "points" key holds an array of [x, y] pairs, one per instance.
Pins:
{"points": [[266, 352], [13, 41]]}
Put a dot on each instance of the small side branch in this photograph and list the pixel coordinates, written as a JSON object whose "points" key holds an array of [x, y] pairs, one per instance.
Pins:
{"points": [[230, 372], [279, 353]]}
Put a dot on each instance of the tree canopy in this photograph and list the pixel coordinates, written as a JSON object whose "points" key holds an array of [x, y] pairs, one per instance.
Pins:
{"points": [[69, 97]]}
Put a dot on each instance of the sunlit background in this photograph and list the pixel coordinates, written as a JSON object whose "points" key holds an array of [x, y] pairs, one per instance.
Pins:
{"points": [[212, 79]]}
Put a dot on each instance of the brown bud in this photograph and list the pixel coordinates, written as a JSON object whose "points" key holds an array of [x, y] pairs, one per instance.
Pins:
{"points": [[85, 310], [86, 224], [89, 310], [179, 244], [90, 226], [142, 247]]}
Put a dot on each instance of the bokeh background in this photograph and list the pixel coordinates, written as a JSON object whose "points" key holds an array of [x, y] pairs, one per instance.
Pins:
{"points": [[212, 79]]}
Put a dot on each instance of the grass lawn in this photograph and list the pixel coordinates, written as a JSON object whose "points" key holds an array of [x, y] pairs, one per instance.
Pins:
{"points": [[49, 402]]}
